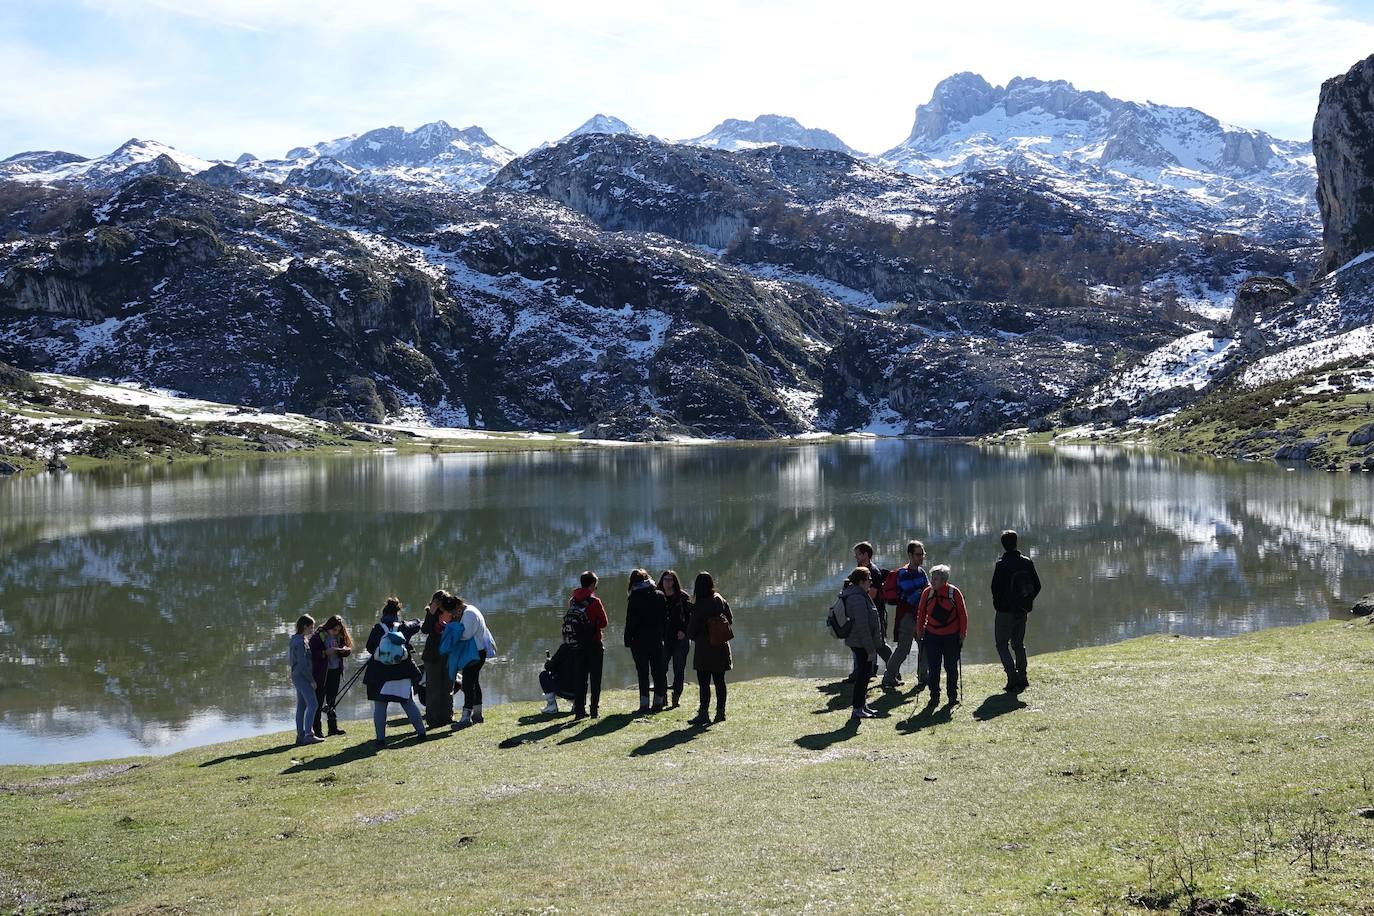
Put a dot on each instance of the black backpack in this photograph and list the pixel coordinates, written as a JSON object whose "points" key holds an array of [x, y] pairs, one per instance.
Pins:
{"points": [[577, 626]]}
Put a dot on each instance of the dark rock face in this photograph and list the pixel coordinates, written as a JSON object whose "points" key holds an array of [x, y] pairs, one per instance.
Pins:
{"points": [[1300, 450], [1256, 298], [1343, 141], [1364, 608], [1362, 436]]}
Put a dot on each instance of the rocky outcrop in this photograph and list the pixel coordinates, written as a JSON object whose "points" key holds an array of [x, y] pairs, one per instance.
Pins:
{"points": [[1343, 141], [1362, 436], [1364, 608], [1256, 299]]}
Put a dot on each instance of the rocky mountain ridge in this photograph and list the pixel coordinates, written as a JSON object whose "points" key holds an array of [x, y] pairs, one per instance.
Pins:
{"points": [[734, 135]]}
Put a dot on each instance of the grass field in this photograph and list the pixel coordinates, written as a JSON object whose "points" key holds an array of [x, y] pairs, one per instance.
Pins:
{"points": [[1129, 778]]}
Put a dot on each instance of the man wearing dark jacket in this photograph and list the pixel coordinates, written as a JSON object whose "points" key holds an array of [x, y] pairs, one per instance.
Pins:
{"points": [[438, 695], [1014, 587]]}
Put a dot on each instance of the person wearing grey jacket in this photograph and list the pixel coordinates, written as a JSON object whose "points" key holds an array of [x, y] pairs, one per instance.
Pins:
{"points": [[303, 679], [864, 638]]}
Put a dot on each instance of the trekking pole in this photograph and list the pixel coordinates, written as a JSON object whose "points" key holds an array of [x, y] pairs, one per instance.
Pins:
{"points": [[352, 679]]}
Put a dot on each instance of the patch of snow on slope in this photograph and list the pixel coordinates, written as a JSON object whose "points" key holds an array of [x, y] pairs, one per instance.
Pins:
{"points": [[1189, 362], [1305, 357]]}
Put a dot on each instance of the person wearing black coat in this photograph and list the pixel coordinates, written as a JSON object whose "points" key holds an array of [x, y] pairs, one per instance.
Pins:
{"points": [[1015, 584], [712, 658], [676, 645], [646, 626]]}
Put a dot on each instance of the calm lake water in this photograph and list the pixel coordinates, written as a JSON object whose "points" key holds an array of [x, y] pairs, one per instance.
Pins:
{"points": [[147, 609]]}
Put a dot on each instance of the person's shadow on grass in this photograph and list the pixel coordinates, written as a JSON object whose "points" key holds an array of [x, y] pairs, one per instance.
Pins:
{"points": [[349, 754], [250, 755], [926, 717], [999, 704], [537, 734], [668, 741], [603, 726], [839, 696], [822, 740]]}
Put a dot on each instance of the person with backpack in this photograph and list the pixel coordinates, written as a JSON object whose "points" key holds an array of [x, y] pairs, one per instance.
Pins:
{"points": [[1015, 584], [863, 634], [330, 645], [438, 686], [303, 679], [676, 644], [646, 625], [941, 625], [902, 589], [586, 616], [710, 628], [467, 644], [391, 674], [863, 556]]}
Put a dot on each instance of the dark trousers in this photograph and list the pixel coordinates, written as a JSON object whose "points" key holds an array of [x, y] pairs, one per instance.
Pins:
{"points": [[1009, 632], [943, 649], [438, 694], [704, 680], [676, 651], [650, 664], [592, 658], [327, 694], [861, 675], [472, 684]]}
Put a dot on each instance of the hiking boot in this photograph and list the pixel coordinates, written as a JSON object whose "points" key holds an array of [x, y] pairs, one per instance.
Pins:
{"points": [[335, 730], [643, 702], [311, 738], [660, 702], [870, 710], [677, 697], [720, 715], [1022, 684], [477, 714], [700, 718], [889, 685], [934, 699], [953, 698], [579, 714], [550, 704], [1012, 685]]}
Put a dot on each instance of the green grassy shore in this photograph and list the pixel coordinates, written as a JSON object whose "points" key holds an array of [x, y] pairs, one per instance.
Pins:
{"points": [[1145, 776]]}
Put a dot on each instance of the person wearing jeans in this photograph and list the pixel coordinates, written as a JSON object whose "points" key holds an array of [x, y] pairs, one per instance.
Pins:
{"points": [[392, 683], [303, 679], [330, 645], [905, 584]]}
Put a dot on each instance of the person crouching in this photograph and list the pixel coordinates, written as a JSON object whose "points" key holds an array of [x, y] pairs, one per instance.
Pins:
{"points": [[941, 625]]}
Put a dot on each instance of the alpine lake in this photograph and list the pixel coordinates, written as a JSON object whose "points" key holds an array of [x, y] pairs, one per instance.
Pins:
{"points": [[147, 608]]}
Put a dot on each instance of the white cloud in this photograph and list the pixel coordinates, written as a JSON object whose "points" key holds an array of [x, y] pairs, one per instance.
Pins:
{"points": [[219, 76]]}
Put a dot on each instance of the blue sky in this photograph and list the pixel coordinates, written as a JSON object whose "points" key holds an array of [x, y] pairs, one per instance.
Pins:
{"points": [[218, 77]]}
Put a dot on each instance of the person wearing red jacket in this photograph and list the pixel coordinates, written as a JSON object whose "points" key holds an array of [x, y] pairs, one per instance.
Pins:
{"points": [[941, 625], [592, 650]]}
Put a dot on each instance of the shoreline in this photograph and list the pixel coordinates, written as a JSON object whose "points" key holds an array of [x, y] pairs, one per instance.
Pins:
{"points": [[991, 667], [1073, 797]]}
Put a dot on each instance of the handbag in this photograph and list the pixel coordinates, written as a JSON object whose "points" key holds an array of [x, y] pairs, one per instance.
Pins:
{"points": [[718, 630]]}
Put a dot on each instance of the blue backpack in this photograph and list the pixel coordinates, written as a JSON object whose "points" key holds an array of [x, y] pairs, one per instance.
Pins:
{"points": [[392, 649]]}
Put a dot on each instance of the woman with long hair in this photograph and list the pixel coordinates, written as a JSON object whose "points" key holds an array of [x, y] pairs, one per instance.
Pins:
{"points": [[676, 645], [330, 645], [710, 629]]}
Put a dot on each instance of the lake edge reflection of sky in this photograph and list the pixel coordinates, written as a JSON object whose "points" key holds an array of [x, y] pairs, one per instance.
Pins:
{"points": [[146, 608]]}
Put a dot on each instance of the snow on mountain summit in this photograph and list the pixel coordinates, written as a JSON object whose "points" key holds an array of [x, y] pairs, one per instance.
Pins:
{"points": [[133, 157], [1178, 157], [733, 135], [600, 124]]}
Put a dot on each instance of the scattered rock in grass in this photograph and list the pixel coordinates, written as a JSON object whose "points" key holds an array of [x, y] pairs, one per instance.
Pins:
{"points": [[1242, 904], [931, 778], [1300, 450], [1151, 900], [1362, 436], [124, 821], [464, 841], [74, 903], [272, 442], [327, 779], [1366, 813], [1364, 607], [1011, 847]]}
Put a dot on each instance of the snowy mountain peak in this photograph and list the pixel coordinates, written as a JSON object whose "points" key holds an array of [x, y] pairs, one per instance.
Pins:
{"points": [[733, 135], [1176, 159], [601, 124], [131, 159]]}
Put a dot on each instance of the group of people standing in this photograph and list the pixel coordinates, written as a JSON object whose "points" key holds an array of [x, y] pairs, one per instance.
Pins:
{"points": [[664, 624], [930, 613]]}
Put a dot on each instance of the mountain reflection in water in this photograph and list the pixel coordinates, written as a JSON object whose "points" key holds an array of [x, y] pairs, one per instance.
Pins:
{"points": [[147, 608]]}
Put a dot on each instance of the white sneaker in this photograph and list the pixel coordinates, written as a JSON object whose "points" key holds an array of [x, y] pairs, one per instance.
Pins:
{"points": [[550, 704]]}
